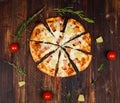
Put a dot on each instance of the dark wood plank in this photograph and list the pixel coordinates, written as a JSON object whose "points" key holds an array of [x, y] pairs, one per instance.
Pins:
{"points": [[106, 89], [6, 72]]}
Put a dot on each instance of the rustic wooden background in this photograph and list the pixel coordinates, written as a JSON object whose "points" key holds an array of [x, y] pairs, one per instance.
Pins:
{"points": [[106, 14]]}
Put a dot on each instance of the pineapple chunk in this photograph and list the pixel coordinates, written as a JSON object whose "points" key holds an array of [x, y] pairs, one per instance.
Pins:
{"points": [[53, 62], [21, 83], [69, 31], [49, 39], [78, 54], [99, 39], [81, 98]]}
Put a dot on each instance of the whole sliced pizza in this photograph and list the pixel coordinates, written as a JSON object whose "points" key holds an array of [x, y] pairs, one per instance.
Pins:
{"points": [[61, 49]]}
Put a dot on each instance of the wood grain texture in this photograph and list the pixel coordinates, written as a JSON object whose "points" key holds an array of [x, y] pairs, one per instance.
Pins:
{"points": [[106, 14]]}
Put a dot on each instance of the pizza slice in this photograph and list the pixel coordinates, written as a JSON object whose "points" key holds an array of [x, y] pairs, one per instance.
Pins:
{"points": [[49, 64], [73, 28], [40, 33], [82, 42], [56, 27], [65, 68], [39, 50], [55, 24], [81, 59]]}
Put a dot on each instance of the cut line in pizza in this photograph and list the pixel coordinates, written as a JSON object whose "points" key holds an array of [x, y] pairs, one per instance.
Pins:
{"points": [[61, 49]]}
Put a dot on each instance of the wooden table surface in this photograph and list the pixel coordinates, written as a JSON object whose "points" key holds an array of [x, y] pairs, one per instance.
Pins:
{"points": [[106, 14]]}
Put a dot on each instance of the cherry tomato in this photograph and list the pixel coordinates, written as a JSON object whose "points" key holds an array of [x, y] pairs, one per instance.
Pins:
{"points": [[111, 55], [14, 47], [47, 95]]}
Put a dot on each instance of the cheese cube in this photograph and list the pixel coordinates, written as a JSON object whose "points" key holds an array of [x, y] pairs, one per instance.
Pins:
{"points": [[99, 39], [81, 98], [21, 83]]}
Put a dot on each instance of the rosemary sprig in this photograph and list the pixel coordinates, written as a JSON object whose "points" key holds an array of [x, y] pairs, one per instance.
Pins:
{"points": [[27, 22], [19, 69], [70, 10]]}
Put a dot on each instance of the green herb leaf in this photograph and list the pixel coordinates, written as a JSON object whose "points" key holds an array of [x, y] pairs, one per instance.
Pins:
{"points": [[94, 81], [19, 69], [70, 10], [88, 20], [27, 22], [100, 68], [68, 95]]}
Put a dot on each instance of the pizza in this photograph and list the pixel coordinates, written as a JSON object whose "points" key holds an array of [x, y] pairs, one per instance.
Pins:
{"points": [[61, 49]]}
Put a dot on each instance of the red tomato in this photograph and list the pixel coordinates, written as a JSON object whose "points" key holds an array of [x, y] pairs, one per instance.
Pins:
{"points": [[111, 55], [47, 95], [14, 47]]}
